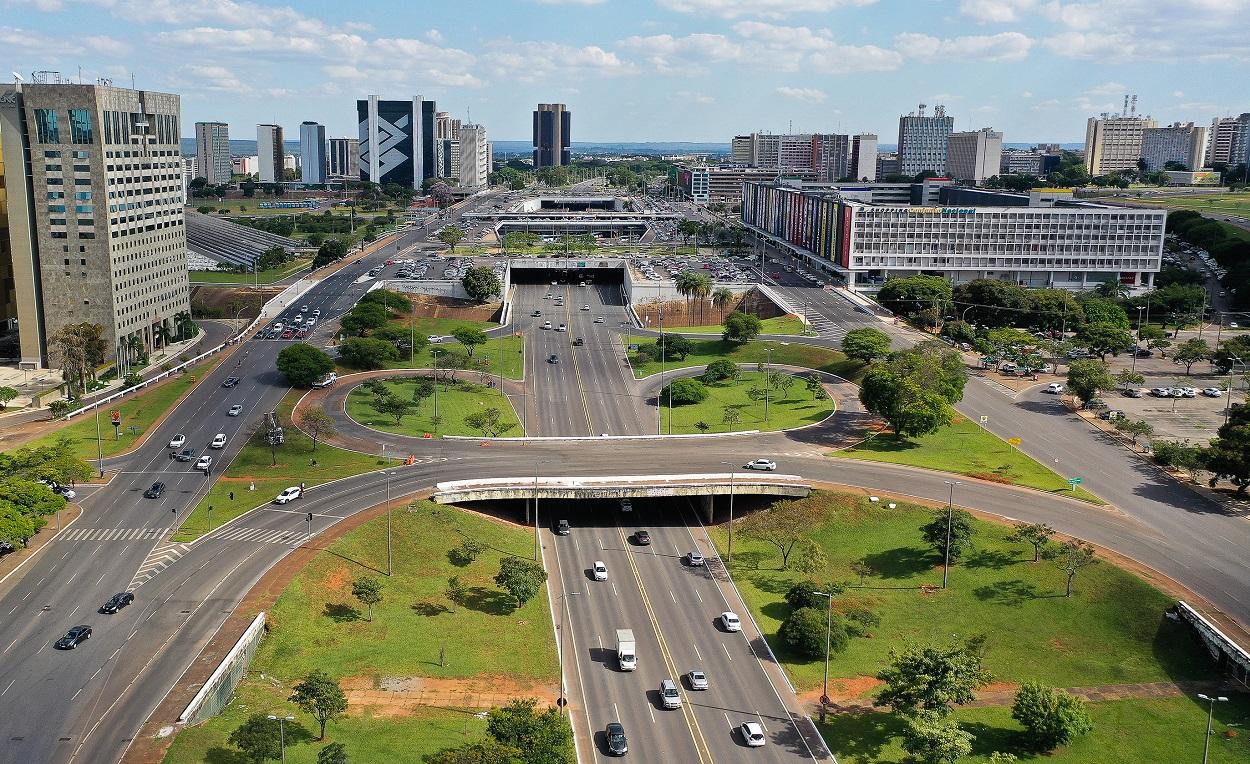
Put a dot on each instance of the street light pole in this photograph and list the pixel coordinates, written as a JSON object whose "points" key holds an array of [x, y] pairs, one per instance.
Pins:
{"points": [[561, 702], [950, 512], [1211, 701], [536, 511], [1137, 345], [730, 555], [824, 695], [388, 522], [281, 720], [767, 369], [99, 447], [1229, 401]]}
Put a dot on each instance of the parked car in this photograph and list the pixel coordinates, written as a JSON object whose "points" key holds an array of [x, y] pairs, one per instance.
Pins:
{"points": [[1161, 392], [760, 464], [1212, 392], [117, 602], [1112, 414], [289, 494], [235, 410], [1189, 392], [730, 621], [600, 571], [73, 638], [1054, 388], [1132, 392], [643, 538], [66, 491], [155, 491], [752, 734], [178, 441]]}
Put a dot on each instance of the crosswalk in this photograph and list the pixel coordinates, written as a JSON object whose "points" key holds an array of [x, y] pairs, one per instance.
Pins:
{"points": [[263, 535], [112, 534], [161, 557]]}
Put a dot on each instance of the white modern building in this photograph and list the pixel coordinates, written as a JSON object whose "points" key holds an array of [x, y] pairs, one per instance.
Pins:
{"points": [[1182, 143], [474, 156], [212, 152], [922, 141], [1114, 142], [312, 152], [974, 156], [344, 159], [863, 164], [269, 152]]}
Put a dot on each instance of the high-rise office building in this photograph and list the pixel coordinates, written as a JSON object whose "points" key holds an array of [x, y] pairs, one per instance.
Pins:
{"points": [[831, 156], [344, 158], [1182, 143], [269, 151], [445, 127], [922, 141], [741, 149], [397, 143], [974, 156], [1220, 140], [863, 164], [93, 197], [1113, 141], [552, 131], [474, 156], [212, 152], [312, 152], [1239, 142]]}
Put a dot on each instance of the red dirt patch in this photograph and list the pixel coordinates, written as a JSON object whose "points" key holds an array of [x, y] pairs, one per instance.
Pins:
{"points": [[433, 306], [390, 697], [844, 688], [339, 581], [992, 477]]}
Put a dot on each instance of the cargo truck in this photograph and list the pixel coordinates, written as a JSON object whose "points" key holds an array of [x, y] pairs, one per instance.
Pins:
{"points": [[625, 654]]}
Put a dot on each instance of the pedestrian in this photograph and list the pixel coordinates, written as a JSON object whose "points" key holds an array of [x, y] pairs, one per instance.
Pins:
{"points": [[232, 496], [251, 486], [301, 486]]}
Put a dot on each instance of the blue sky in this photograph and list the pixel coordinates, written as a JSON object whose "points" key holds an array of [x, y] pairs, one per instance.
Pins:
{"points": [[638, 70]]}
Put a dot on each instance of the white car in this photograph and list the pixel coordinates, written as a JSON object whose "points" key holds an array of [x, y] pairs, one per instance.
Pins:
{"points": [[204, 463], [730, 621], [752, 734], [235, 410], [219, 441], [760, 464], [289, 494], [627, 505], [1054, 388], [434, 339], [585, 307], [598, 319], [1212, 392], [562, 328], [178, 441], [695, 558], [600, 571]]}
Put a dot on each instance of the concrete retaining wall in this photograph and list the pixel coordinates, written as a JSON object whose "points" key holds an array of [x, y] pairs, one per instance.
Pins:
{"points": [[219, 688]]}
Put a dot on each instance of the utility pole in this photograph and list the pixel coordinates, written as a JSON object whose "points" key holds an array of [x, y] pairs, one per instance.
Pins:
{"points": [[729, 557], [950, 516], [389, 569], [824, 695], [1211, 701], [99, 447]]}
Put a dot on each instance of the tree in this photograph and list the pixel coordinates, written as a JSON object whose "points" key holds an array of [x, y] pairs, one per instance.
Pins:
{"points": [[257, 738], [6, 394], [319, 695], [1234, 351], [368, 590], [905, 295], [783, 525], [334, 753], [803, 595], [394, 406], [1036, 534], [316, 423], [456, 592], [932, 738], [683, 391], [900, 401], [934, 367], [1103, 310], [741, 327], [470, 337], [934, 533], [1134, 428], [367, 353], [866, 345], [803, 631], [1228, 455], [1052, 717], [60, 407], [451, 236], [489, 421], [863, 569], [330, 251], [720, 369], [731, 417], [1102, 339], [932, 678], [810, 558], [721, 298], [1192, 351], [1128, 378], [992, 302], [674, 346], [481, 283], [303, 364], [1087, 377], [15, 526], [543, 737], [487, 751], [364, 318], [520, 578], [1072, 557]]}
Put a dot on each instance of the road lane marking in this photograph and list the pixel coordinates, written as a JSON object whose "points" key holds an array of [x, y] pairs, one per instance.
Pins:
{"points": [[614, 591], [698, 597], [651, 712], [6, 689], [14, 610], [697, 654], [673, 596], [10, 647], [41, 648], [75, 610], [726, 649]]}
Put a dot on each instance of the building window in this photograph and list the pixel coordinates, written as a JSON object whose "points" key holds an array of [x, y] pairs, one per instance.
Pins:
{"points": [[45, 126]]}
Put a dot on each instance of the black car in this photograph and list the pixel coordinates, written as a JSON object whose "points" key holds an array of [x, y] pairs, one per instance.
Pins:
{"points": [[155, 491], [117, 602], [73, 638], [230, 382], [615, 734], [579, 342], [554, 358], [6, 548], [562, 527], [186, 454], [642, 537]]}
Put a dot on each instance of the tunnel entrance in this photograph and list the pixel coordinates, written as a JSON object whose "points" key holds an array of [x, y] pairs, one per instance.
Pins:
{"points": [[569, 270]]}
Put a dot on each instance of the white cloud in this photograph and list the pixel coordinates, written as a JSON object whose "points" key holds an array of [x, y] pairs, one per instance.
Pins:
{"points": [[795, 38], [1005, 46], [1106, 89], [106, 46], [1026, 94], [801, 94], [842, 59], [539, 61], [1178, 94], [731, 9], [699, 98], [692, 53], [995, 11]]}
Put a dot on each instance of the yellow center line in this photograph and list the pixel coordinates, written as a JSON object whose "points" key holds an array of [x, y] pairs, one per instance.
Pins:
{"points": [[696, 733], [568, 323]]}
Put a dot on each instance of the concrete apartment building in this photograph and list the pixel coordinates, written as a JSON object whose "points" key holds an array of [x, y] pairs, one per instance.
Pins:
{"points": [[212, 152], [1220, 140], [1180, 142], [863, 164], [269, 151], [344, 158], [974, 156], [831, 157], [553, 130], [92, 230], [1034, 161], [312, 152], [1239, 142], [1114, 142], [922, 141], [474, 169], [741, 149]]}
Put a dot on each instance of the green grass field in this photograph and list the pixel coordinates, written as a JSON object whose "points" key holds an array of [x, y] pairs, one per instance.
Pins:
{"points": [[1223, 204], [138, 411], [254, 464], [794, 408], [262, 277], [1164, 730], [706, 351], [316, 624], [1111, 631], [966, 448], [511, 347], [777, 325], [454, 404]]}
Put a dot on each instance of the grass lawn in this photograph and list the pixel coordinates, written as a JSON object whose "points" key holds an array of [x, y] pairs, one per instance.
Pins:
{"points": [[776, 325], [1228, 204], [965, 448], [795, 408], [511, 346], [254, 464], [138, 411], [706, 351], [262, 277], [455, 402], [1111, 631], [1162, 730], [316, 624]]}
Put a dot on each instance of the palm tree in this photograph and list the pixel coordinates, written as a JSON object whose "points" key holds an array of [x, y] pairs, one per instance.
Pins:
{"points": [[684, 284], [720, 299], [700, 289], [134, 348]]}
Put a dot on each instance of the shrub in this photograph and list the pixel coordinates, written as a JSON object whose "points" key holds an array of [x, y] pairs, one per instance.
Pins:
{"points": [[804, 632], [684, 392], [1052, 717]]}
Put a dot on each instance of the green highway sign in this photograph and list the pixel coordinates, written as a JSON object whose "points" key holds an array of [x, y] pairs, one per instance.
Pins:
{"points": [[1076, 481]]}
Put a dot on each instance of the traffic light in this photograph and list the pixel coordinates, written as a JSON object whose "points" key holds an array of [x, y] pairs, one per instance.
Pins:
{"points": [[310, 517]]}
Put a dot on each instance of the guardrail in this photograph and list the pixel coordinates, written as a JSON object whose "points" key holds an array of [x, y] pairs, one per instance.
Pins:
{"points": [[219, 688]]}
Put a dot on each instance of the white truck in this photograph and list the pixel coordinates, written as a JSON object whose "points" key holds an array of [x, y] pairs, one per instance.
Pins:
{"points": [[625, 654]]}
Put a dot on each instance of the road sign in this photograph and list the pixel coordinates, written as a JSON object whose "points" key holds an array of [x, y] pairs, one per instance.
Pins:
{"points": [[824, 699], [985, 419], [1075, 481], [1014, 441], [116, 416]]}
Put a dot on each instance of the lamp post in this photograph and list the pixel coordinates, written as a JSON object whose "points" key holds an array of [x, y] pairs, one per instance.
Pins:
{"points": [[767, 369], [950, 512], [1211, 701], [1136, 345], [659, 407], [536, 542], [561, 702], [281, 720], [1229, 401], [99, 447], [389, 570], [730, 554], [824, 695]]}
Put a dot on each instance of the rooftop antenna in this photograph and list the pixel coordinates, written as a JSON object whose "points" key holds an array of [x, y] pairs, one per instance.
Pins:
{"points": [[1124, 112], [1133, 108], [132, 80], [922, 108]]}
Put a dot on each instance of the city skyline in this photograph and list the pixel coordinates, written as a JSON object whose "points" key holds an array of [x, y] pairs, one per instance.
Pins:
{"points": [[676, 70]]}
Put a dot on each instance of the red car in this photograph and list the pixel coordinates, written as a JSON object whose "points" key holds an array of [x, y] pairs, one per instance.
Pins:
{"points": [[286, 334]]}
